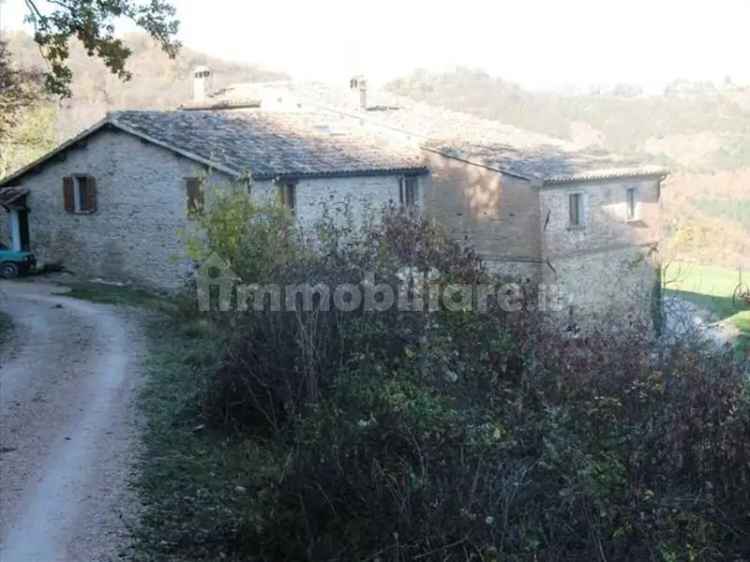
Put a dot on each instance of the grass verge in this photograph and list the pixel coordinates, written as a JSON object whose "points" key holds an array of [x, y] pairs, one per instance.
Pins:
{"points": [[190, 476], [711, 288], [122, 296]]}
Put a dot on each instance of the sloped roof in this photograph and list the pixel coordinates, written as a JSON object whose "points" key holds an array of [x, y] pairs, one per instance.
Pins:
{"points": [[268, 145], [271, 144], [485, 142], [548, 164], [13, 196]]}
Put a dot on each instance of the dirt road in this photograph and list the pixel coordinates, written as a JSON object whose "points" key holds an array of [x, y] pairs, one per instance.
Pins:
{"points": [[67, 427]]}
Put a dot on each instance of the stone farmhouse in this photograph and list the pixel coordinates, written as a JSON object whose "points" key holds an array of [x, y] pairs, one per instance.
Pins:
{"points": [[111, 202]]}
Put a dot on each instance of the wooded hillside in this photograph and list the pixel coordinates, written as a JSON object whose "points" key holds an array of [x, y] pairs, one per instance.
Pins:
{"points": [[158, 83], [696, 132], [701, 133]]}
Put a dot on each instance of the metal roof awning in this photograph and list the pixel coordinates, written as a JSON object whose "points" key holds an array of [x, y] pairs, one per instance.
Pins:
{"points": [[13, 197]]}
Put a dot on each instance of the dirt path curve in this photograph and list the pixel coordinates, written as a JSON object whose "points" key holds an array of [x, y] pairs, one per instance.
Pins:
{"points": [[67, 427]]}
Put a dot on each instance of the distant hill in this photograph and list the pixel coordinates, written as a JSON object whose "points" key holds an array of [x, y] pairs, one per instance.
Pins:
{"points": [[701, 131], [158, 82], [688, 131]]}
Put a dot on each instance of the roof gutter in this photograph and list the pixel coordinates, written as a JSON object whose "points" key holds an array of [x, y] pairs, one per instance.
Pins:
{"points": [[418, 171], [635, 174]]}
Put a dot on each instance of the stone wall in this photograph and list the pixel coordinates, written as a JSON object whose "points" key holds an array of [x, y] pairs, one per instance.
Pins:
{"points": [[607, 268], [611, 288], [497, 214], [605, 221], [356, 197], [135, 236]]}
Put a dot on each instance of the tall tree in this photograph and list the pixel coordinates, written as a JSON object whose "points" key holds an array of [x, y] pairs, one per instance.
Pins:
{"points": [[94, 22], [18, 91]]}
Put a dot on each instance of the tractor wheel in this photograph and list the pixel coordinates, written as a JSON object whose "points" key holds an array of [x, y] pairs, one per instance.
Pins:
{"points": [[8, 270]]}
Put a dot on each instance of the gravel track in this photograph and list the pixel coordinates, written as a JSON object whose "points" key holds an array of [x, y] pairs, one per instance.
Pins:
{"points": [[68, 427]]}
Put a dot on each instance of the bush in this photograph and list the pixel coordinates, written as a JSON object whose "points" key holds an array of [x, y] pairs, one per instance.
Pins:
{"points": [[455, 435]]}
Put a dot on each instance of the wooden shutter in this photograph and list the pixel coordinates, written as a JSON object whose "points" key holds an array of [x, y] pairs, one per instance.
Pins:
{"points": [[89, 194], [69, 195]]}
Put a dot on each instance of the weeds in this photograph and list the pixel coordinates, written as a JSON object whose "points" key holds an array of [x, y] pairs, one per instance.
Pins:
{"points": [[122, 296], [316, 435]]}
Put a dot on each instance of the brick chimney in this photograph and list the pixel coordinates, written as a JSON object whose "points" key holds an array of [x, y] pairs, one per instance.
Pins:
{"points": [[202, 83]]}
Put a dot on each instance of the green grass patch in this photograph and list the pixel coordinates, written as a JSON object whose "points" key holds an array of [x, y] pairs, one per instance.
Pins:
{"points": [[110, 294], [191, 477], [711, 288]]}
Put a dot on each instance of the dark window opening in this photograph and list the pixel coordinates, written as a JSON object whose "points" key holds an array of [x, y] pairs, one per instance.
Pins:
{"points": [[576, 209], [194, 195], [23, 225], [632, 201], [288, 196], [409, 192]]}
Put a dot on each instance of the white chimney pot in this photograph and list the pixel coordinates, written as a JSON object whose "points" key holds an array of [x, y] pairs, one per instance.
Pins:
{"points": [[202, 83]]}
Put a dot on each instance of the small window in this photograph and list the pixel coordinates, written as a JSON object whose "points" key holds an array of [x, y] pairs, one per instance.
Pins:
{"points": [[408, 192], [79, 194], [194, 190], [576, 209], [288, 196], [632, 204]]}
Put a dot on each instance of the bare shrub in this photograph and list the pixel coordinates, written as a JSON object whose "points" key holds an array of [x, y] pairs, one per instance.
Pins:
{"points": [[454, 435]]}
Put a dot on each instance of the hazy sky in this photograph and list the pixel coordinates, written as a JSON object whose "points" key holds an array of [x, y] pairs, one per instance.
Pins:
{"points": [[537, 43]]}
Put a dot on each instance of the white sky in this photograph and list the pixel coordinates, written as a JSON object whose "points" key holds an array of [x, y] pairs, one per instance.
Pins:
{"points": [[541, 44]]}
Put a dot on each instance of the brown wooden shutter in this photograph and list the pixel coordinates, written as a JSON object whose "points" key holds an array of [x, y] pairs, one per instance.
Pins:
{"points": [[69, 195], [89, 195]]}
